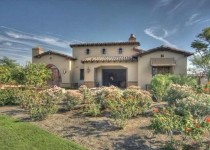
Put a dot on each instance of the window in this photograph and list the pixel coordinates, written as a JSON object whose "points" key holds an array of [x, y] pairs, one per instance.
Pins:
{"points": [[162, 55], [103, 51], [162, 70], [81, 74], [120, 51], [87, 51]]}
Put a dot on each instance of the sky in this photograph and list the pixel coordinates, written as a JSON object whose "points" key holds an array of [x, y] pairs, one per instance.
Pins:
{"points": [[54, 24]]}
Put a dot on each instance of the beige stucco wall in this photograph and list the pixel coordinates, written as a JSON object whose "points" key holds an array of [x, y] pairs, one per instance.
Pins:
{"points": [[131, 68], [80, 53], [61, 63], [145, 69]]}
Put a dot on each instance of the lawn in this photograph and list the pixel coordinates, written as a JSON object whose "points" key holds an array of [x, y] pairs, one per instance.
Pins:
{"points": [[17, 135]]}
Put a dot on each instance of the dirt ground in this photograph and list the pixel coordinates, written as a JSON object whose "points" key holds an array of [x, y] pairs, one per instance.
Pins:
{"points": [[96, 133]]}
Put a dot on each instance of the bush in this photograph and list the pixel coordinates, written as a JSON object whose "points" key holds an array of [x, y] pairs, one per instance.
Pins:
{"points": [[72, 99], [183, 80], [105, 94], [9, 96], [41, 104], [159, 85], [88, 96], [92, 109], [123, 104], [198, 105], [176, 92], [138, 100]]}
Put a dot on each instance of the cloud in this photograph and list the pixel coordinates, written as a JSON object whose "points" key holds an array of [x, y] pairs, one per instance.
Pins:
{"points": [[176, 7], [18, 44], [161, 3], [194, 19], [153, 33]]}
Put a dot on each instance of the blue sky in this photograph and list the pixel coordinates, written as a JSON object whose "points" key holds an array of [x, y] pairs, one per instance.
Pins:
{"points": [[54, 24]]}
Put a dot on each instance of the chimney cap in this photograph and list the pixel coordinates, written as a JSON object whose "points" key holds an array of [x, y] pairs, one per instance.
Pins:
{"points": [[132, 38]]}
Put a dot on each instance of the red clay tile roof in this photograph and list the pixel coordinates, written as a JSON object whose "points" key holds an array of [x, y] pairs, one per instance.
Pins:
{"points": [[110, 59], [55, 53], [104, 44], [165, 48]]}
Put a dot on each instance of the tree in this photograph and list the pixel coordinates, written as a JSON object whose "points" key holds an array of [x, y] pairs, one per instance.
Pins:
{"points": [[201, 58], [5, 61], [37, 74]]}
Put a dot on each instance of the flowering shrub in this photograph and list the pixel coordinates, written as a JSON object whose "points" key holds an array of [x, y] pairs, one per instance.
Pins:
{"points": [[105, 94], [72, 99], [40, 104], [92, 109], [198, 105], [206, 88], [176, 92], [9, 96], [88, 96]]}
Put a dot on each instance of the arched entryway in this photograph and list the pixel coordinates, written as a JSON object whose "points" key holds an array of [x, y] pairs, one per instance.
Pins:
{"points": [[56, 76]]}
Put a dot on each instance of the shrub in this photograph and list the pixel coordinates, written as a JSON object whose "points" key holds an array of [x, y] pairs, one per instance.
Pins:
{"points": [[138, 100], [88, 96], [176, 92], [41, 104], [105, 94], [183, 80], [198, 105], [72, 99], [9, 96], [159, 85], [92, 109]]}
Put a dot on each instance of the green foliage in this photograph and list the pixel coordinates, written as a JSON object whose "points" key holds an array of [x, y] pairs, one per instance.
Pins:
{"points": [[5, 74], [92, 109], [188, 116], [123, 104], [37, 74], [9, 96], [201, 59], [41, 104], [176, 92], [72, 99], [183, 80], [5, 61], [17, 135], [197, 104], [159, 85]]}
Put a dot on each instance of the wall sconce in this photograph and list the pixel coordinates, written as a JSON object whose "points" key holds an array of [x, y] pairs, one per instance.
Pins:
{"points": [[64, 71], [88, 70]]}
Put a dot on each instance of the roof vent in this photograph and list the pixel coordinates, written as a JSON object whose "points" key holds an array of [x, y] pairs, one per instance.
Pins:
{"points": [[132, 38]]}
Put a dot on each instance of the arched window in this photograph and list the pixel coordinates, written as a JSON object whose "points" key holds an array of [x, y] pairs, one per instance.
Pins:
{"points": [[87, 51], [120, 50]]}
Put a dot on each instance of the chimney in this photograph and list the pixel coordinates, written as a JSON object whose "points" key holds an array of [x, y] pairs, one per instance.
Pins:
{"points": [[132, 38], [37, 51]]}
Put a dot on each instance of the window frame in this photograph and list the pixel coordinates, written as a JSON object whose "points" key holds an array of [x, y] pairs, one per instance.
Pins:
{"points": [[87, 52], [120, 51], [82, 74], [103, 51]]}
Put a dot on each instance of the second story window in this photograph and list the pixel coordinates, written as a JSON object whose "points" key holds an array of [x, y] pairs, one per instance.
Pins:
{"points": [[87, 51], [103, 51], [120, 50]]}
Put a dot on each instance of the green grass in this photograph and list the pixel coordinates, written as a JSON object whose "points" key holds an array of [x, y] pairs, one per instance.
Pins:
{"points": [[16, 135]]}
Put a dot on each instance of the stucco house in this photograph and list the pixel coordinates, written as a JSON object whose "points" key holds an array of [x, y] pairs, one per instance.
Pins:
{"points": [[120, 64]]}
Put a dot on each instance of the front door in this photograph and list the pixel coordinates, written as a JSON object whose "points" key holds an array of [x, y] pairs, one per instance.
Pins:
{"points": [[115, 77]]}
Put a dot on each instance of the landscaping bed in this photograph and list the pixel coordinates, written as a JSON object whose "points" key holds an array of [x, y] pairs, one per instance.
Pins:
{"points": [[96, 132]]}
